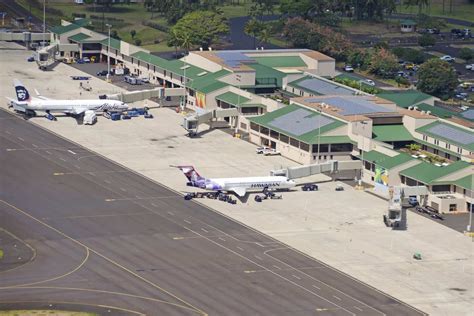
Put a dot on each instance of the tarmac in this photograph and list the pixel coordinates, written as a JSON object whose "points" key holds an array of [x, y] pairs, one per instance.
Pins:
{"points": [[343, 230]]}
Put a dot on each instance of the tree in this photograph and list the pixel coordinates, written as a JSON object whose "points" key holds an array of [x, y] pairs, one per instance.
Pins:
{"points": [[466, 53], [114, 34], [383, 63], [264, 35], [413, 148], [437, 77], [174, 40], [133, 33], [138, 41], [253, 28], [203, 27], [426, 40], [151, 6]]}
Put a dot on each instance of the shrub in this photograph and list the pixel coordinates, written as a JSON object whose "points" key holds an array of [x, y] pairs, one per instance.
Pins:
{"points": [[138, 41], [466, 53], [156, 26], [426, 40]]}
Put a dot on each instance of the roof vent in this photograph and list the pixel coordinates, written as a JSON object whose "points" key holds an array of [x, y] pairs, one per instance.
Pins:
{"points": [[423, 112], [410, 108], [200, 48], [202, 73], [184, 67], [415, 108], [210, 48], [428, 112]]}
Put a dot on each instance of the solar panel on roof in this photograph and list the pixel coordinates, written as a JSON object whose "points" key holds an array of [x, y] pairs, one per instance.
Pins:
{"points": [[451, 133], [323, 87], [300, 122], [469, 114], [352, 105], [234, 58]]}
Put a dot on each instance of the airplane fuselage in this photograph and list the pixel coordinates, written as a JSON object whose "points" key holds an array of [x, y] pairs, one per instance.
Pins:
{"points": [[71, 105], [246, 183]]}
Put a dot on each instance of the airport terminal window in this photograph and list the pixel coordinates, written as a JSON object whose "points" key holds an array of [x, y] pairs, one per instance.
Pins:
{"points": [[305, 147], [191, 93], [448, 146], [459, 150], [274, 134], [323, 148], [441, 188], [425, 138], [436, 142], [264, 130], [294, 142], [284, 138], [341, 147]]}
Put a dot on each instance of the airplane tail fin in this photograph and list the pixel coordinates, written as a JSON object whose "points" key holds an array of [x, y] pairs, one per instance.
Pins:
{"points": [[22, 93], [190, 173]]}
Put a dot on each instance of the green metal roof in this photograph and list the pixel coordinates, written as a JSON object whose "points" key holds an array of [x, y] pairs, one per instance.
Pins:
{"points": [[407, 22], [467, 182], [406, 98], [232, 98], [209, 83], [436, 110], [334, 140], [114, 43], [263, 72], [281, 61], [425, 130], [64, 29], [428, 173], [79, 38], [82, 21], [386, 161], [390, 133], [310, 137]]}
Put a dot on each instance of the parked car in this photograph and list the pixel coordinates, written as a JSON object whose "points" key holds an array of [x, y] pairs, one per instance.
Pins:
{"points": [[102, 73], [348, 68], [432, 31], [270, 152], [447, 58], [402, 74], [470, 67], [31, 59], [369, 82], [260, 149], [412, 200], [86, 60], [145, 80], [310, 187]]}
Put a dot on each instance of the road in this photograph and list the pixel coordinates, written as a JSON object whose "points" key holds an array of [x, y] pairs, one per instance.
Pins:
{"points": [[104, 235]]}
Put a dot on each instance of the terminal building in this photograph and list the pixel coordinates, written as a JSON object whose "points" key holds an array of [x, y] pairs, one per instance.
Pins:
{"points": [[286, 100]]}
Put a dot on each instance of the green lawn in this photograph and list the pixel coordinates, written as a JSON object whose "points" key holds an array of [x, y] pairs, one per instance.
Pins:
{"points": [[1, 253], [460, 11]]}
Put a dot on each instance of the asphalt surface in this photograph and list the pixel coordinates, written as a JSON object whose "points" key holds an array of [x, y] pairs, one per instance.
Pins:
{"points": [[105, 236]]}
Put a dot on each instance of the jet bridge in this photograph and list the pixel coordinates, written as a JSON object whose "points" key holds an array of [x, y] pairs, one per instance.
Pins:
{"points": [[191, 122], [161, 93], [398, 204], [328, 167]]}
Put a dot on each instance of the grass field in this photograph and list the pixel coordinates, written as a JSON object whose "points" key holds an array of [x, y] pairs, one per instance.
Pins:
{"points": [[460, 11], [1, 253]]}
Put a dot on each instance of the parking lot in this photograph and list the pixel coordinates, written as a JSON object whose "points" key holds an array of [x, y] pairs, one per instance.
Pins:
{"points": [[343, 229]]}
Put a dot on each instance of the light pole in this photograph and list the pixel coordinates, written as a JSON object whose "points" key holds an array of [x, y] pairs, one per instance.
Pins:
{"points": [[471, 209], [319, 133], [239, 78], [44, 22], [108, 55]]}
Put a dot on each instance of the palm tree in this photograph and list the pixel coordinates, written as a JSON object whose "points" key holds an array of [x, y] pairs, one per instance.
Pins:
{"points": [[264, 35], [185, 41], [174, 40], [252, 28]]}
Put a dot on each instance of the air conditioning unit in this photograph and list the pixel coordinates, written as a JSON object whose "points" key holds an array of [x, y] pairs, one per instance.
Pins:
{"points": [[428, 112]]}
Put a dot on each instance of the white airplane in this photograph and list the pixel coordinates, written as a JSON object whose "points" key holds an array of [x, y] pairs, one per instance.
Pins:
{"points": [[239, 186], [28, 105]]}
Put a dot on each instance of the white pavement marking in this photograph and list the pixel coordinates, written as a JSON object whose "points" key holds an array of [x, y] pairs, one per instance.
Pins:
{"points": [[77, 167], [20, 138], [71, 152], [221, 238], [153, 204], [61, 158], [187, 221], [204, 230], [317, 287], [8, 132], [337, 297], [296, 277], [276, 267], [358, 308], [48, 152], [34, 145], [241, 249], [170, 213], [107, 181], [122, 189], [259, 258]]}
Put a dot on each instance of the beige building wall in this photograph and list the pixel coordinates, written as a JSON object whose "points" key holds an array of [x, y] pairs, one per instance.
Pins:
{"points": [[201, 62], [247, 78]]}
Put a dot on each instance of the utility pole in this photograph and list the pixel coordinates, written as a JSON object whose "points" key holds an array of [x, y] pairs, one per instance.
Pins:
{"points": [[108, 56]]}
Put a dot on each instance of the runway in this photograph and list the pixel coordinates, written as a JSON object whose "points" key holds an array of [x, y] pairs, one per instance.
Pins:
{"points": [[106, 236]]}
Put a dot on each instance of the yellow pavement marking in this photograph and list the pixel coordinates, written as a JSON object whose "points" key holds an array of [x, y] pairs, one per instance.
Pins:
{"points": [[250, 271], [108, 259], [178, 238], [25, 243], [109, 200], [58, 173]]}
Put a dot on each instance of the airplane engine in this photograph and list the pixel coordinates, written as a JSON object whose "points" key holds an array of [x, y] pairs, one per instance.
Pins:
{"points": [[211, 186]]}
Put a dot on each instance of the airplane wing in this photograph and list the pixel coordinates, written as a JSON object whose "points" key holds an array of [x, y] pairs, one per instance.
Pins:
{"points": [[76, 110], [40, 96], [239, 191]]}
